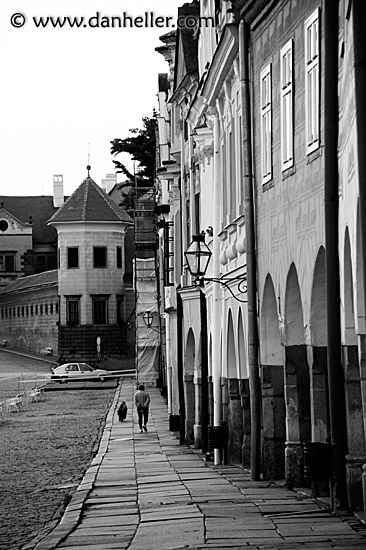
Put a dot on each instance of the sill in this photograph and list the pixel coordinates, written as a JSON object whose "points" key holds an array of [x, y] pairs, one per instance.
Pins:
{"points": [[267, 185], [313, 155], [289, 172]]}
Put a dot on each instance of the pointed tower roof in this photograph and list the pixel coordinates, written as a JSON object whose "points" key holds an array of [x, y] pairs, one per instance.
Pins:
{"points": [[89, 203]]}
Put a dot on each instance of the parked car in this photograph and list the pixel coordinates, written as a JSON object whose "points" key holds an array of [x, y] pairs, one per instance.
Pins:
{"points": [[80, 371]]}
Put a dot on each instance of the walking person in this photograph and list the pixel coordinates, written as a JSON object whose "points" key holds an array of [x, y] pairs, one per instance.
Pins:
{"points": [[142, 401]]}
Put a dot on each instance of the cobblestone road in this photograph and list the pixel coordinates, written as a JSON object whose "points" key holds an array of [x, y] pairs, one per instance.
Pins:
{"points": [[44, 452]]}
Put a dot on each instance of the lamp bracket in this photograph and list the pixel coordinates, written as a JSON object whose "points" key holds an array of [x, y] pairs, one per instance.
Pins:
{"points": [[241, 281]]}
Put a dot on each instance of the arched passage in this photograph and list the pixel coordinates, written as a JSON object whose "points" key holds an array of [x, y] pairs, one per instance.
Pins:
{"points": [[244, 392], [189, 391], [297, 382], [273, 402], [354, 409], [318, 322]]}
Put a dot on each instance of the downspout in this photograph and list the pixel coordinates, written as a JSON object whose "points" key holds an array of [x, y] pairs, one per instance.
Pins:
{"points": [[359, 45], [204, 371], [254, 379], [216, 302], [336, 389]]}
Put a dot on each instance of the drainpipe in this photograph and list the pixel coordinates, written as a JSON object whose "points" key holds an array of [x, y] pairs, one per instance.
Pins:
{"points": [[254, 379], [204, 372], [331, 205], [359, 10], [216, 302]]}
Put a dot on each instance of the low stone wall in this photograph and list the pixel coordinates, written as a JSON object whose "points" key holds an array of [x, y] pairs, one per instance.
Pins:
{"points": [[28, 321], [79, 343]]}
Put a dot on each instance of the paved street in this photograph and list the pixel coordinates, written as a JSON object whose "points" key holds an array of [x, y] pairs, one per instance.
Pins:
{"points": [[145, 491]]}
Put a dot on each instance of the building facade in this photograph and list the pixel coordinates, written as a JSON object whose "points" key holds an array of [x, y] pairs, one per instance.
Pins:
{"points": [[260, 134]]}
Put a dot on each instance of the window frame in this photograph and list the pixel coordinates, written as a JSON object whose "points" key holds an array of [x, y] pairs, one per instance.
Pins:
{"points": [[72, 248], [98, 299], [266, 124], [312, 89], [6, 258], [95, 248], [119, 261], [72, 317], [287, 106]]}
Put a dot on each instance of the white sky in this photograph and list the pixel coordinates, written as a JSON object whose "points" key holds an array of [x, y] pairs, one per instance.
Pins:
{"points": [[63, 88]]}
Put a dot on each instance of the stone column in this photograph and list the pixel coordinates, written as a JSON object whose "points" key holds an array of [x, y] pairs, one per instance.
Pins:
{"points": [[197, 428]]}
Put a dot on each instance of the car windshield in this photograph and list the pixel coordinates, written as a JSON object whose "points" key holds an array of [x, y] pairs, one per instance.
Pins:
{"points": [[85, 368]]}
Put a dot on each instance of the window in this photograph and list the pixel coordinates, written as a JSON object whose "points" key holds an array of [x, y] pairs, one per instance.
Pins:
{"points": [[40, 263], [46, 309], [100, 310], [232, 172], [287, 141], [72, 257], [73, 310], [51, 309], [119, 257], [7, 262], [31, 311], [312, 82], [266, 123], [85, 368], [100, 256], [197, 213], [119, 310]]}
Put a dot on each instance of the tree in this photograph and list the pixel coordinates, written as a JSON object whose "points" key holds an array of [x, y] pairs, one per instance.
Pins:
{"points": [[141, 147]]}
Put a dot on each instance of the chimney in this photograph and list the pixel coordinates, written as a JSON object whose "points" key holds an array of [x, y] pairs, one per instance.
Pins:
{"points": [[58, 191], [109, 182]]}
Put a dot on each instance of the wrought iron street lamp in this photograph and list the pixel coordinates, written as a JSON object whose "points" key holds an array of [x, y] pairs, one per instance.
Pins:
{"points": [[198, 256]]}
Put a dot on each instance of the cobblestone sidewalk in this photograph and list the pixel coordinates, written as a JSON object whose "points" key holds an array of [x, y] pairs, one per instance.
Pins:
{"points": [[145, 491]]}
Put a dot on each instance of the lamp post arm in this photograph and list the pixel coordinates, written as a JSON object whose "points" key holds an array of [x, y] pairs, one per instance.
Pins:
{"points": [[225, 282]]}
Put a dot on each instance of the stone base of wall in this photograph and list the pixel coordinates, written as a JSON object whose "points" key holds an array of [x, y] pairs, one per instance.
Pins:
{"points": [[79, 343]]}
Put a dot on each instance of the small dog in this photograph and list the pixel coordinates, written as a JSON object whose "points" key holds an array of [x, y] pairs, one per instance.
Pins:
{"points": [[122, 411]]}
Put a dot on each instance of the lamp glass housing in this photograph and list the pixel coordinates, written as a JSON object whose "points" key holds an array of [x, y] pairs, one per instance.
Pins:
{"points": [[198, 256], [148, 318]]}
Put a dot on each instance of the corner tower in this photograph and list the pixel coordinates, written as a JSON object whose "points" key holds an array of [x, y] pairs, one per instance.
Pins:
{"points": [[91, 264]]}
